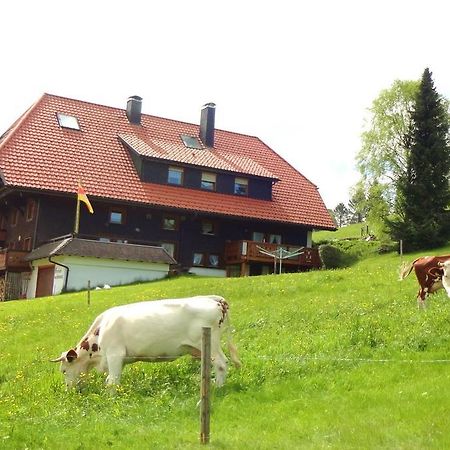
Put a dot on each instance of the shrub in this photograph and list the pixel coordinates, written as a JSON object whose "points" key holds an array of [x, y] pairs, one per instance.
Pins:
{"points": [[332, 257]]}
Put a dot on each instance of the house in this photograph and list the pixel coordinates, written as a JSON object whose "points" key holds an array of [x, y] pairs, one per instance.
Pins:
{"points": [[219, 203], [73, 264]]}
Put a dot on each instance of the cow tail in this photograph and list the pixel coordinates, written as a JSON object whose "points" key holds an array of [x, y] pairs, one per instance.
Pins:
{"points": [[405, 270], [231, 347]]}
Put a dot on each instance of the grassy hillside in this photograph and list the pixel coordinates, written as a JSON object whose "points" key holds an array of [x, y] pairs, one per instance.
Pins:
{"points": [[349, 231], [335, 359]]}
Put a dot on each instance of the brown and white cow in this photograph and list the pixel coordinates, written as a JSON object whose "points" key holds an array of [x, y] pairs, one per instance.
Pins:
{"points": [[429, 272], [446, 275], [153, 331]]}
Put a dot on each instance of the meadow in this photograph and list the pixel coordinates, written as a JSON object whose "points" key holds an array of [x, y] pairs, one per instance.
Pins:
{"points": [[338, 359]]}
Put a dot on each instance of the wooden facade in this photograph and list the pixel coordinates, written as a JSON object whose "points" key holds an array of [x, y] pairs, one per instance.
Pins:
{"points": [[195, 240]]}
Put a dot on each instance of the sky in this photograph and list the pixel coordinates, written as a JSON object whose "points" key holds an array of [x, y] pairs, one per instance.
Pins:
{"points": [[300, 75]]}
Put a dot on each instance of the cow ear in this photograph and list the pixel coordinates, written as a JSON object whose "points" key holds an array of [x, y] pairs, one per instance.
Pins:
{"points": [[71, 355]]}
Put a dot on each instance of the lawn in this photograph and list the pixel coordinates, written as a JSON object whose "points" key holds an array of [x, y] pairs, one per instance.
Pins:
{"points": [[352, 231], [331, 359]]}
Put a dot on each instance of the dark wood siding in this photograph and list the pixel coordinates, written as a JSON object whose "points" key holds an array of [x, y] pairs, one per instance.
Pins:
{"points": [[19, 233], [156, 172], [145, 225]]}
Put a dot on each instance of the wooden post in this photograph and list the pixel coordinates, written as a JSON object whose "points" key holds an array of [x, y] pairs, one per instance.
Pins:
{"points": [[89, 293], [205, 386], [76, 227]]}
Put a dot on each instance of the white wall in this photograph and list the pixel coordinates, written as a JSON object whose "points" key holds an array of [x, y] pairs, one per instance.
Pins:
{"points": [[206, 272], [98, 271]]}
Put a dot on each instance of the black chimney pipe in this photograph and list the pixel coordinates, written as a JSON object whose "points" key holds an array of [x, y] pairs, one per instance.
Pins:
{"points": [[134, 106], [207, 119]]}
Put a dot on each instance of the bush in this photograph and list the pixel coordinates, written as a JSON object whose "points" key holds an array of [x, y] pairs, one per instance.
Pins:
{"points": [[332, 257]]}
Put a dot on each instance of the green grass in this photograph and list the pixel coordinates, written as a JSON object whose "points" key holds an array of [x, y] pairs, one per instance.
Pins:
{"points": [[349, 231], [331, 359]]}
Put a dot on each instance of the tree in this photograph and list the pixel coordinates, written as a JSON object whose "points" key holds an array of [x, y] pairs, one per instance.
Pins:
{"points": [[341, 214], [386, 144], [377, 210], [423, 190], [357, 205]]}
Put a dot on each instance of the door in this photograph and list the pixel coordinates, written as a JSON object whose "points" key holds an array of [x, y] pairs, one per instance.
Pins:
{"points": [[45, 277]]}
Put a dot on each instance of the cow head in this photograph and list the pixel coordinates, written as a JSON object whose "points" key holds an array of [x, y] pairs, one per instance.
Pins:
{"points": [[72, 365]]}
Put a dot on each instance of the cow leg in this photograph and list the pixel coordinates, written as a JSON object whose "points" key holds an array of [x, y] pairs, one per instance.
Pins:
{"points": [[115, 366], [421, 296]]}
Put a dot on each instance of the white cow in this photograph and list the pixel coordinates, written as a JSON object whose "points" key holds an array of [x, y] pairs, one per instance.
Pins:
{"points": [[446, 275], [161, 330]]}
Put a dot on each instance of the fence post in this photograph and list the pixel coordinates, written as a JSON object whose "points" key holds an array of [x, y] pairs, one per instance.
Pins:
{"points": [[205, 384], [89, 293]]}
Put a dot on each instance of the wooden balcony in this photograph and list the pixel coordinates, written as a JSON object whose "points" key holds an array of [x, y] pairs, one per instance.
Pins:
{"points": [[238, 252], [12, 260]]}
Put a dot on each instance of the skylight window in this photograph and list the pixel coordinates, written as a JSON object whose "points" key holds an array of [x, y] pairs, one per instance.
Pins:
{"points": [[66, 121], [191, 142]]}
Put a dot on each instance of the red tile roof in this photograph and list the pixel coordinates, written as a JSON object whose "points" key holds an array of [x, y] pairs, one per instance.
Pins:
{"points": [[38, 154], [211, 158]]}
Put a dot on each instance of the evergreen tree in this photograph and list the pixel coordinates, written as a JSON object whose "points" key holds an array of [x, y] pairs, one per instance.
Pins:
{"points": [[341, 214], [424, 194]]}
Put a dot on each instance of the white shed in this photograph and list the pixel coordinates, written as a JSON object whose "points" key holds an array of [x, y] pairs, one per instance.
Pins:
{"points": [[69, 264]]}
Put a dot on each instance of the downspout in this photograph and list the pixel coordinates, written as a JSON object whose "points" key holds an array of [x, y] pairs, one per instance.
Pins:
{"points": [[66, 279]]}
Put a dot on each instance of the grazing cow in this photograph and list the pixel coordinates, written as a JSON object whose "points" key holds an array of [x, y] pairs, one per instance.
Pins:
{"points": [[429, 275], [446, 275], [161, 330]]}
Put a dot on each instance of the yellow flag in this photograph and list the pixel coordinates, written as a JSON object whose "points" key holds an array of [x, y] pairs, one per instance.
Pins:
{"points": [[82, 197]]}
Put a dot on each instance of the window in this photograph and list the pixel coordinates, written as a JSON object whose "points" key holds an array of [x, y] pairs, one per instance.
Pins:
{"points": [[3, 222], [208, 227], [258, 236], [208, 181], [117, 216], [191, 142], [214, 260], [175, 175], [197, 260], [263, 237], [241, 186], [15, 217], [205, 259], [27, 244], [31, 206], [170, 223], [275, 239], [66, 121], [169, 247]]}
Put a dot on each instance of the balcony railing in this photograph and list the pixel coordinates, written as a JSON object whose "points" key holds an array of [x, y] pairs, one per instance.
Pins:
{"points": [[237, 252], [12, 260]]}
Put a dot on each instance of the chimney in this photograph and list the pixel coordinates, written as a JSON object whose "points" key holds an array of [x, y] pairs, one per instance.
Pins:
{"points": [[134, 105], [207, 124]]}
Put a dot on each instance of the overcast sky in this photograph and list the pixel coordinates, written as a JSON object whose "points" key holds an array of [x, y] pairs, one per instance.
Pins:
{"points": [[299, 75]]}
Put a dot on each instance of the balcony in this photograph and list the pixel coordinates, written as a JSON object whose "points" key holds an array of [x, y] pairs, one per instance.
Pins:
{"points": [[12, 260], [239, 252]]}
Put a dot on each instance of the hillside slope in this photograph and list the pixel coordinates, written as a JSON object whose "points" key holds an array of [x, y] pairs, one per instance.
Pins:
{"points": [[340, 359]]}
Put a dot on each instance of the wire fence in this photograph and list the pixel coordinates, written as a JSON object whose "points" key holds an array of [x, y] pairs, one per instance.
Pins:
{"points": [[297, 358], [300, 358]]}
